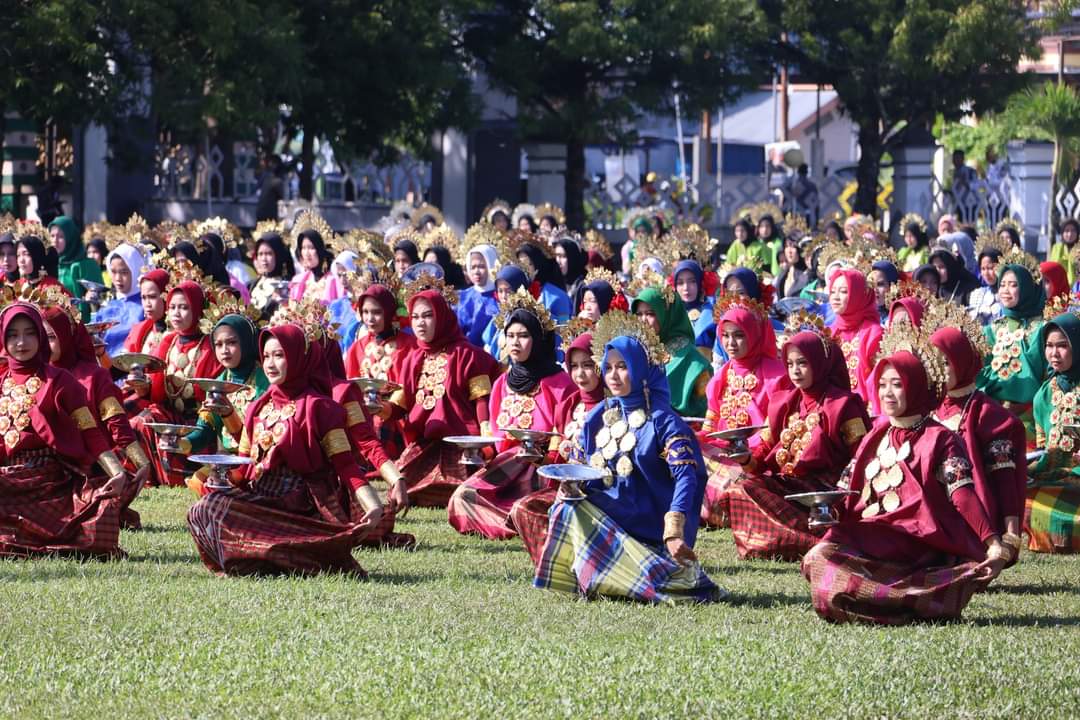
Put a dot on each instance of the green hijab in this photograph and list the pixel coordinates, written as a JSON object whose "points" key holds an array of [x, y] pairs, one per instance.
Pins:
{"points": [[73, 244], [1069, 324], [686, 364], [249, 351], [1032, 295]]}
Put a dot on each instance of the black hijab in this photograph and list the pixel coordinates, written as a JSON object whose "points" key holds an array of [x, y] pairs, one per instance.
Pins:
{"points": [[409, 248], [546, 269], [523, 378], [203, 260], [320, 248], [960, 282], [576, 260], [283, 262], [39, 256], [452, 272]]}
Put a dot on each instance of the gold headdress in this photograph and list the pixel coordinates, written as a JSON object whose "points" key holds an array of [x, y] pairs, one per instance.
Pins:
{"points": [[496, 206], [633, 215], [427, 210], [803, 321], [427, 281], [649, 278], [441, 235], [482, 233], [268, 227], [357, 282], [94, 230], [163, 235], [795, 226], [219, 226], [311, 220], [1016, 256], [32, 229], [616, 323], [911, 288], [596, 242], [369, 245], [727, 301], [993, 242], [544, 210], [912, 219], [55, 295], [522, 210], [224, 305], [8, 223], [401, 212], [1061, 304], [510, 245], [575, 328], [755, 211], [521, 299], [903, 337], [681, 243], [751, 262], [311, 316], [597, 274], [942, 313], [24, 292], [1010, 223], [182, 270]]}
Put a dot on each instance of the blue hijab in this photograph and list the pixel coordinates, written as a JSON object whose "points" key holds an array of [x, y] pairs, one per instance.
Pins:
{"points": [[513, 275], [648, 383], [887, 269], [749, 280], [699, 275]]}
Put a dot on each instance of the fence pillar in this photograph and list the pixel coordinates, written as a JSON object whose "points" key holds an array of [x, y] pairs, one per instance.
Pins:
{"points": [[913, 173], [1030, 164], [546, 163]]}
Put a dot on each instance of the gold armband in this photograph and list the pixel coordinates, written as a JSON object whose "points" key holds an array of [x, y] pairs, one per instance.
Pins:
{"points": [[136, 455], [110, 407], [852, 431], [335, 442], [398, 398], [110, 463], [232, 422], [479, 386], [1012, 540], [368, 498], [83, 419], [674, 525], [245, 444], [485, 428], [388, 471], [1000, 551], [354, 415]]}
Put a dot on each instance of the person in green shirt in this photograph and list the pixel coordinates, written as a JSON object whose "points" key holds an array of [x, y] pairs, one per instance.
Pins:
{"points": [[1061, 252], [916, 250], [1016, 365], [688, 372], [74, 264], [751, 248], [234, 342], [1055, 494]]}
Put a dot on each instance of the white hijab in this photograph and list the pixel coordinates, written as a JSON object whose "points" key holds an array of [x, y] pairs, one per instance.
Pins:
{"points": [[491, 259], [135, 261]]}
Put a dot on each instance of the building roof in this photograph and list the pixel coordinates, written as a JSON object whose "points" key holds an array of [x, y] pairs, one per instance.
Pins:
{"points": [[750, 120]]}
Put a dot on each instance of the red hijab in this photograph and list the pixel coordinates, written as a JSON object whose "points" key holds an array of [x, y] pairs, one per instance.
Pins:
{"points": [[1056, 278], [862, 303], [305, 366], [921, 396], [158, 277], [39, 361], [74, 340], [828, 369], [196, 299], [912, 305], [963, 358], [387, 303], [584, 342], [447, 328]]}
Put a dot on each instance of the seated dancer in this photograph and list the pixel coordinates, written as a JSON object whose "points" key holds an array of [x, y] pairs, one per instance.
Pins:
{"points": [[476, 304], [742, 281], [1053, 513], [914, 543], [304, 504], [857, 328], [232, 330], [72, 349], [445, 383], [529, 515], [145, 335], [600, 291], [812, 433], [168, 397], [37, 264], [274, 264], [536, 260], [50, 503], [993, 437], [692, 285], [739, 394], [507, 282], [1017, 364], [379, 352], [633, 533], [688, 372], [525, 397], [125, 265]]}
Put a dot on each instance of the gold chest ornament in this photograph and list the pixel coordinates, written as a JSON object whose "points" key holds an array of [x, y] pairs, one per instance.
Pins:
{"points": [[16, 399], [572, 430], [794, 439], [152, 340], [883, 477], [178, 368], [432, 384], [850, 348], [1005, 358], [737, 398], [515, 411], [378, 359], [269, 428], [1066, 411], [615, 441]]}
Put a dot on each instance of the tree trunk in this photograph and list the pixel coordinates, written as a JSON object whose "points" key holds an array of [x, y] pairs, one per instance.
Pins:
{"points": [[1053, 190], [575, 184], [870, 152], [307, 171]]}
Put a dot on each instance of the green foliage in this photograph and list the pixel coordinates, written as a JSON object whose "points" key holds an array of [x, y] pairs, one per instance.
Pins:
{"points": [[454, 630], [1046, 112]]}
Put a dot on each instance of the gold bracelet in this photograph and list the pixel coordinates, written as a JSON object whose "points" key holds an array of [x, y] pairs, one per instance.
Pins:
{"points": [[110, 463], [674, 526], [1012, 540], [388, 471], [368, 498]]}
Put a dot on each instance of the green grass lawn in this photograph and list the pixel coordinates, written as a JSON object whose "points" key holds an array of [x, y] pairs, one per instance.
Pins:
{"points": [[455, 630]]}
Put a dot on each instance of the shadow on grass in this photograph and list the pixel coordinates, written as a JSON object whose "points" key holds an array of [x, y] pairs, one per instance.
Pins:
{"points": [[1028, 621], [760, 567], [1030, 589], [157, 529], [766, 601]]}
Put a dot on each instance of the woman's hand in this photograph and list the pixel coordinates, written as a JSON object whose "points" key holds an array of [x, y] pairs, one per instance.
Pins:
{"points": [[114, 487], [370, 520], [140, 388], [397, 500], [222, 409], [679, 550]]}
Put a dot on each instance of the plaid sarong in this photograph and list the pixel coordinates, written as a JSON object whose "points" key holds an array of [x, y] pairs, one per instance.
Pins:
{"points": [[587, 554], [433, 471], [714, 508], [481, 506], [764, 524], [529, 518], [848, 587], [1052, 518]]}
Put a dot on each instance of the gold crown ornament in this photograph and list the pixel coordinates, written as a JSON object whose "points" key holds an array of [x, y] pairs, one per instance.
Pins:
{"points": [[942, 313], [1012, 223], [496, 206], [727, 301], [544, 210], [754, 212], [440, 236], [427, 281], [369, 245], [312, 220], [426, 212], [634, 215], [521, 299], [523, 210], [268, 227], [311, 316], [8, 223], [596, 242], [649, 278], [22, 292], [912, 219], [910, 288], [97, 231], [599, 274], [360, 280], [25, 229], [574, 328], [225, 305], [163, 235], [182, 270], [903, 337], [750, 262], [804, 321], [1016, 256], [219, 226], [617, 323], [795, 226], [682, 242]]}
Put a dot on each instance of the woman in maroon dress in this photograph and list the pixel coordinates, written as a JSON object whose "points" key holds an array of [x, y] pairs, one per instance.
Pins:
{"points": [[295, 509], [445, 382], [72, 349], [48, 503], [145, 335], [913, 542], [812, 433]]}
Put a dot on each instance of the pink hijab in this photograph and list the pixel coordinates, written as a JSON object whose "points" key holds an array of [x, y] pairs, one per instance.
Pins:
{"points": [[862, 304]]}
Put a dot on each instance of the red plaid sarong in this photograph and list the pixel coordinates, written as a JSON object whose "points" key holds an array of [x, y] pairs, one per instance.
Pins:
{"points": [[286, 524], [481, 506], [47, 508], [529, 517], [433, 471], [714, 508], [166, 468], [763, 523], [848, 587]]}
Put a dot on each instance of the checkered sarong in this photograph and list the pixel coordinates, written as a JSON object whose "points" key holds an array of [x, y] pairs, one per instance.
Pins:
{"points": [[763, 523], [529, 517], [1053, 518], [588, 554]]}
